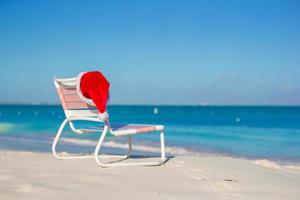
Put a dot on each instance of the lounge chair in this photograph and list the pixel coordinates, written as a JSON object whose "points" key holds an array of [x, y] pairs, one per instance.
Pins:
{"points": [[77, 110]]}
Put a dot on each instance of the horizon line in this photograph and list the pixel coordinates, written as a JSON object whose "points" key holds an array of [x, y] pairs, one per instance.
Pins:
{"points": [[162, 105]]}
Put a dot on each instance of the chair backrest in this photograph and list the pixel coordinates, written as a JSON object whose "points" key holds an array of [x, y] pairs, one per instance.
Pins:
{"points": [[72, 104]]}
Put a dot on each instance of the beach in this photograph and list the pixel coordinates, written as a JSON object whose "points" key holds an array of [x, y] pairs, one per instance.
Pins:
{"points": [[33, 175]]}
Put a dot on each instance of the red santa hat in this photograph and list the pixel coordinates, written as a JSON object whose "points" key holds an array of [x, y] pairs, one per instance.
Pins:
{"points": [[93, 88]]}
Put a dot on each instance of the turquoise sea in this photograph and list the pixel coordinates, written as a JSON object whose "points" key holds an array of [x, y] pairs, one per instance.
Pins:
{"points": [[252, 132]]}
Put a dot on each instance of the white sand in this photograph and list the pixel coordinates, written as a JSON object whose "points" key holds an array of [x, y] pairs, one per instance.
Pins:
{"points": [[25, 175]]}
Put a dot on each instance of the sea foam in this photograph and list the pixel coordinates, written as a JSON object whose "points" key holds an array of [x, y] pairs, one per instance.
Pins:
{"points": [[138, 147]]}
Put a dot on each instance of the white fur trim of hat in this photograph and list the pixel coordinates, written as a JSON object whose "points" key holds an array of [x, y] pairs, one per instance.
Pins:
{"points": [[79, 93]]}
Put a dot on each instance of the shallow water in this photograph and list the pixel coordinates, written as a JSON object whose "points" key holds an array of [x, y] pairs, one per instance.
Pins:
{"points": [[251, 132]]}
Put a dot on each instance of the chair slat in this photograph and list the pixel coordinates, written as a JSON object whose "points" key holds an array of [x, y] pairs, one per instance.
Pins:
{"points": [[77, 105], [61, 97], [72, 103], [72, 98], [68, 91], [81, 113]]}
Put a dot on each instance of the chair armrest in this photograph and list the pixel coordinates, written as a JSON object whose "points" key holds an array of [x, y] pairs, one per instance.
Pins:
{"points": [[80, 131]]}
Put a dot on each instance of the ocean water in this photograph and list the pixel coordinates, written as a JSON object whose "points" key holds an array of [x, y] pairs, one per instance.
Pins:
{"points": [[253, 132]]}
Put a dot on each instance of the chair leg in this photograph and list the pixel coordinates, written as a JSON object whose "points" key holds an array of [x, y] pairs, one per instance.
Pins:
{"points": [[162, 160], [56, 139], [162, 145], [98, 147], [129, 146], [60, 157]]}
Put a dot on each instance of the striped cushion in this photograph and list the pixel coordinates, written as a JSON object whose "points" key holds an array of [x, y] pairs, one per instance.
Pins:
{"points": [[134, 129]]}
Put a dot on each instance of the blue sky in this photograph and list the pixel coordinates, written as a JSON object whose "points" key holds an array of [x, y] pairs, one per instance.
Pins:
{"points": [[243, 52]]}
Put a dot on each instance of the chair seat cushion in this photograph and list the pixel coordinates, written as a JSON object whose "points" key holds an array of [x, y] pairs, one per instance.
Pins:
{"points": [[129, 129]]}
